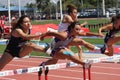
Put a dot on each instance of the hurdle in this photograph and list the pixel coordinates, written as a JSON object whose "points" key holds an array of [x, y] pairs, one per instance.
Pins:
{"points": [[89, 73], [47, 68], [72, 64], [64, 65]]}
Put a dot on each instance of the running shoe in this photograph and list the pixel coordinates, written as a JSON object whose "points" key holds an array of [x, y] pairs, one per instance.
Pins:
{"points": [[102, 49], [42, 64]]}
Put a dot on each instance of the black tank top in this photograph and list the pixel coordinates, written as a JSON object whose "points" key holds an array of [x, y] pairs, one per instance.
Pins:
{"points": [[111, 33], [16, 41]]}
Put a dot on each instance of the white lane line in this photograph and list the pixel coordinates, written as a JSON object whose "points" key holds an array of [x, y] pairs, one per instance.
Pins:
{"points": [[27, 61], [60, 76], [112, 68], [67, 77], [112, 74], [7, 78], [19, 65]]}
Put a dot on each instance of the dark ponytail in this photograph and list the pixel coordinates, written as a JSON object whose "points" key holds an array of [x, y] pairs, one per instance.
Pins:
{"points": [[19, 22], [70, 8], [72, 26], [114, 18]]}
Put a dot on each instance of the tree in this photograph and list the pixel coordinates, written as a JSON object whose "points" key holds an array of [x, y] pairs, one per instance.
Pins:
{"points": [[45, 5]]}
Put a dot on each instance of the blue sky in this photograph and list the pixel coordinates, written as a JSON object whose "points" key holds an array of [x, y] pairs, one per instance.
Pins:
{"points": [[23, 2]]}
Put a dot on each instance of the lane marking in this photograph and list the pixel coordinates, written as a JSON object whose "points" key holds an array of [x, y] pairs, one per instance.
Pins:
{"points": [[93, 72]]}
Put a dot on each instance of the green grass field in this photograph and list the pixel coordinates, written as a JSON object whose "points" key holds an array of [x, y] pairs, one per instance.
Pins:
{"points": [[89, 20]]}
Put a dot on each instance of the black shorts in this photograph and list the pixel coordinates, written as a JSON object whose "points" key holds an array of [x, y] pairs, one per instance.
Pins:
{"points": [[14, 51], [55, 50], [107, 37]]}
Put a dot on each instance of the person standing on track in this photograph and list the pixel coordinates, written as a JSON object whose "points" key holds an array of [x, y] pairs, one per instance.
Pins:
{"points": [[111, 38], [19, 44], [63, 40]]}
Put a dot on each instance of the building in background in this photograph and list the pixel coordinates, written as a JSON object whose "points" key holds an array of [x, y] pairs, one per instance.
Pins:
{"points": [[15, 2]]}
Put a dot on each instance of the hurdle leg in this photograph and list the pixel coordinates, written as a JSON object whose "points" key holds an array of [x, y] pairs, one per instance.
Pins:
{"points": [[89, 73], [84, 74], [46, 73], [39, 74]]}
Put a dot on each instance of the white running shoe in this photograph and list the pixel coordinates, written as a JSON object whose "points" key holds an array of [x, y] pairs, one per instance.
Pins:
{"points": [[48, 49]]}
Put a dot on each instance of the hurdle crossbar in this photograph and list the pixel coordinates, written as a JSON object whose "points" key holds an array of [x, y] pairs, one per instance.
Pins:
{"points": [[19, 71], [30, 70], [102, 59]]}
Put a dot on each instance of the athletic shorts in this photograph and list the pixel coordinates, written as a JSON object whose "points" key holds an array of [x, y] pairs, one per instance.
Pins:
{"points": [[14, 51]]}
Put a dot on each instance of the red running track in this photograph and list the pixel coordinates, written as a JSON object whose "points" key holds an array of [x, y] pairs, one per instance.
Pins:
{"points": [[100, 71]]}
